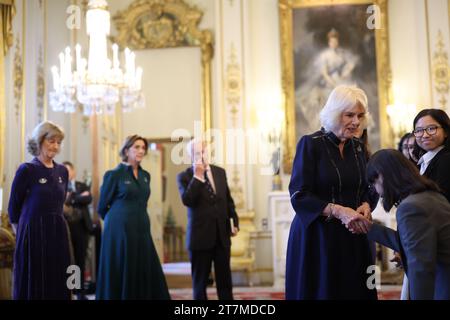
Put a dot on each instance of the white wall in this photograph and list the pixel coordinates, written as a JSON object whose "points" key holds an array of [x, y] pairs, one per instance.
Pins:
{"points": [[29, 29]]}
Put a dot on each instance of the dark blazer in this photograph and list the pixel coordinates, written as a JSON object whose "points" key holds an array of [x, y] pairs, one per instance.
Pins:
{"points": [[423, 240], [81, 203], [207, 216], [439, 171]]}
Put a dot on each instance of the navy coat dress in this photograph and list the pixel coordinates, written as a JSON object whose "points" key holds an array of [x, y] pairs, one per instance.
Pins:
{"points": [[129, 264], [324, 260], [42, 253]]}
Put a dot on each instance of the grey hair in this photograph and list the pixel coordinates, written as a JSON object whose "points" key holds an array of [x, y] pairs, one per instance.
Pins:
{"points": [[191, 143], [43, 130], [342, 98]]}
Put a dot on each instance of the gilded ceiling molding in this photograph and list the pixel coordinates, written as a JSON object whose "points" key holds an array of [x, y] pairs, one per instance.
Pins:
{"points": [[18, 78], [40, 87], [152, 24], [441, 71]]}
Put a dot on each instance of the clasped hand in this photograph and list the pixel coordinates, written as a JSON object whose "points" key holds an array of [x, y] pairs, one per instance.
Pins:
{"points": [[356, 221]]}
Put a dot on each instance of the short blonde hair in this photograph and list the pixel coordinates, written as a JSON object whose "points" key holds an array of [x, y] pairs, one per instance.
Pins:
{"points": [[44, 130], [128, 143], [342, 98]]}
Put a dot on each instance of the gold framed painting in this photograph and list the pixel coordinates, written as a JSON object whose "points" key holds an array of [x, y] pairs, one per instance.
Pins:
{"points": [[325, 43]]}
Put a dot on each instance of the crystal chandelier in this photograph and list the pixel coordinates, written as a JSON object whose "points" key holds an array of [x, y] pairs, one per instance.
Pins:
{"points": [[96, 83]]}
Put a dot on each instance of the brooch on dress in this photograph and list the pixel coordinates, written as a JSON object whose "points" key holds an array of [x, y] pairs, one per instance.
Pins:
{"points": [[42, 180]]}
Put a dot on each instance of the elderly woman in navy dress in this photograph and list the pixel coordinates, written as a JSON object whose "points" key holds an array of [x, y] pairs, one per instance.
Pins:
{"points": [[35, 209], [328, 188]]}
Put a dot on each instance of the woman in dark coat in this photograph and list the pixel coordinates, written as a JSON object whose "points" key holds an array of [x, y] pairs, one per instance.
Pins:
{"points": [[129, 264], [328, 188], [35, 209]]}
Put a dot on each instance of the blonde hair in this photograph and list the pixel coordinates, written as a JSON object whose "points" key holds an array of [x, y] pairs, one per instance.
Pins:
{"points": [[342, 98], [43, 130]]}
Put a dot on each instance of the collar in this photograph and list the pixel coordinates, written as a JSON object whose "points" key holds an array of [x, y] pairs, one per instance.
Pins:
{"points": [[38, 162], [427, 157], [333, 138], [128, 167], [208, 167]]}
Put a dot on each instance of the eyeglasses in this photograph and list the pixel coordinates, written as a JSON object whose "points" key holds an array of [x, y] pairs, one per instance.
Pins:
{"points": [[431, 130]]}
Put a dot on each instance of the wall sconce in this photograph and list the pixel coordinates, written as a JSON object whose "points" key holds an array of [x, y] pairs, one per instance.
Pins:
{"points": [[401, 117], [270, 125]]}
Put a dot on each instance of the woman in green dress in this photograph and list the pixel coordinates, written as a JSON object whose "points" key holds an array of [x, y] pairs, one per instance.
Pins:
{"points": [[129, 265]]}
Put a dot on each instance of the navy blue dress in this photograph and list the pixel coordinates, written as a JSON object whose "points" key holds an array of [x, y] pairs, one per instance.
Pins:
{"points": [[42, 245], [129, 264], [324, 260]]}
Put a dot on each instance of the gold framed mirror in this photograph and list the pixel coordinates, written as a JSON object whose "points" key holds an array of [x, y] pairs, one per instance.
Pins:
{"points": [[156, 24]]}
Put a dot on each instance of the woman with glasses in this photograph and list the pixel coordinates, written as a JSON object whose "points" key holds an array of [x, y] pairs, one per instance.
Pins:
{"points": [[432, 132]]}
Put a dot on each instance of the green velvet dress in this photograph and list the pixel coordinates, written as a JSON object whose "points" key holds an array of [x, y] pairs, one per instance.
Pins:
{"points": [[129, 265]]}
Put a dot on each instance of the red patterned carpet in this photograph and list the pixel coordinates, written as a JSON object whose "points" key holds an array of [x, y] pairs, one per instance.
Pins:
{"points": [[179, 280], [268, 293]]}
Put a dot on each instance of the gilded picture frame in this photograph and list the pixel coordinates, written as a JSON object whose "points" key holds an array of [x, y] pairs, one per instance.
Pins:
{"points": [[361, 30]]}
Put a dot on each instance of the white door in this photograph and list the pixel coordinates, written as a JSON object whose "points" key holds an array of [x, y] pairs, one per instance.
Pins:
{"points": [[152, 163]]}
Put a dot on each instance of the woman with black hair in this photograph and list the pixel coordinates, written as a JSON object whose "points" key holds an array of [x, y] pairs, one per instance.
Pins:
{"points": [[432, 132], [407, 145], [423, 223]]}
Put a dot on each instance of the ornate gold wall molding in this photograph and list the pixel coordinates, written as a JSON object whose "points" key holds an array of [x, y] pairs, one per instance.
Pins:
{"points": [[18, 78], [233, 83], [441, 71], [40, 87], [7, 13], [153, 24], [236, 189], [150, 24], [233, 97]]}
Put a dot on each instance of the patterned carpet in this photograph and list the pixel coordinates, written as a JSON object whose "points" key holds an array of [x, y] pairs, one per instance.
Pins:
{"points": [[268, 293]]}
